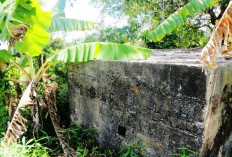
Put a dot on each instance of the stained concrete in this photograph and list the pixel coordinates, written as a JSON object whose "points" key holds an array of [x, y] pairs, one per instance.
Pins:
{"points": [[165, 101]]}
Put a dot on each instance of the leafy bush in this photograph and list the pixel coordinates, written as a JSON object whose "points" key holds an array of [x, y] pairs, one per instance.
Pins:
{"points": [[187, 36], [57, 44], [4, 119]]}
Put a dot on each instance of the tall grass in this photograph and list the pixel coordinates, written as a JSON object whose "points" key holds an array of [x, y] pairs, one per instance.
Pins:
{"points": [[25, 148]]}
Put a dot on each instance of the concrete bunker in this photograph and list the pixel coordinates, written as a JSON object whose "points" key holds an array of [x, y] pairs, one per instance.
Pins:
{"points": [[166, 102]]}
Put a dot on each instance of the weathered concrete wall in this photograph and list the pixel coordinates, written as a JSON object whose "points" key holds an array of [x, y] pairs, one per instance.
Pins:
{"points": [[218, 113], [160, 101]]}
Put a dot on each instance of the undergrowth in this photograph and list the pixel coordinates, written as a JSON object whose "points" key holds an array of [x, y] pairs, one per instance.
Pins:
{"points": [[29, 148], [84, 141], [81, 139], [47, 144], [5, 95]]}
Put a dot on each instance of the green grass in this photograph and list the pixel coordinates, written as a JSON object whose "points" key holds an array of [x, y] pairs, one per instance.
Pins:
{"points": [[81, 139], [84, 140], [25, 148], [132, 150], [185, 152]]}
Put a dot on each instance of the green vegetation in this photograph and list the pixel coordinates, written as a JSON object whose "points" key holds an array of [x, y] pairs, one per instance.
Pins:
{"points": [[185, 152], [146, 15], [122, 35], [19, 26], [25, 148], [131, 150], [30, 60], [83, 140], [4, 101], [196, 38], [179, 18]]}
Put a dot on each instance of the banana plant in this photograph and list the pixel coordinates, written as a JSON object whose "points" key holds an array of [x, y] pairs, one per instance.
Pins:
{"points": [[25, 26], [78, 53]]}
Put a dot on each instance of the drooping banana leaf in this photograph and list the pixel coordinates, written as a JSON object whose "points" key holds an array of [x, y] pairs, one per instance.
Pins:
{"points": [[25, 24], [102, 51], [179, 18], [67, 25], [61, 23], [18, 126]]}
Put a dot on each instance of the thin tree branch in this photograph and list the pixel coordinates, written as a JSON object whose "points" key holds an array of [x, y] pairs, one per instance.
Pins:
{"points": [[212, 15]]}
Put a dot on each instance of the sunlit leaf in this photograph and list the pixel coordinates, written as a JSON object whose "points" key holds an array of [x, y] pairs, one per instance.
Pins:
{"points": [[37, 36], [102, 51], [24, 23]]}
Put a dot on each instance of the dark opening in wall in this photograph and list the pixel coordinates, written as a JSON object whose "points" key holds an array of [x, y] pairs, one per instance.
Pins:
{"points": [[122, 131]]}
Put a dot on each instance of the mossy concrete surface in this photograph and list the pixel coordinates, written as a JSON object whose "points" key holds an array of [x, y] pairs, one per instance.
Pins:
{"points": [[166, 102]]}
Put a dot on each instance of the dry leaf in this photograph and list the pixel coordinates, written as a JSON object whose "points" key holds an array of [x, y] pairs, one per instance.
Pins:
{"points": [[18, 123], [220, 41]]}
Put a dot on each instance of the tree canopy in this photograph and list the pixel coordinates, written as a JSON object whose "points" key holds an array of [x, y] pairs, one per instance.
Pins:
{"points": [[148, 14]]}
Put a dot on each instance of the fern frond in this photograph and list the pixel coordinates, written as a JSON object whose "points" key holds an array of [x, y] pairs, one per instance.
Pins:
{"points": [[179, 18], [220, 41]]}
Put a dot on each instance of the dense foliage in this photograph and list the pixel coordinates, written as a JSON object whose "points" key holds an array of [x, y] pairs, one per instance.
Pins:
{"points": [[24, 26], [5, 93], [191, 40], [148, 14], [153, 12], [122, 35], [59, 73]]}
